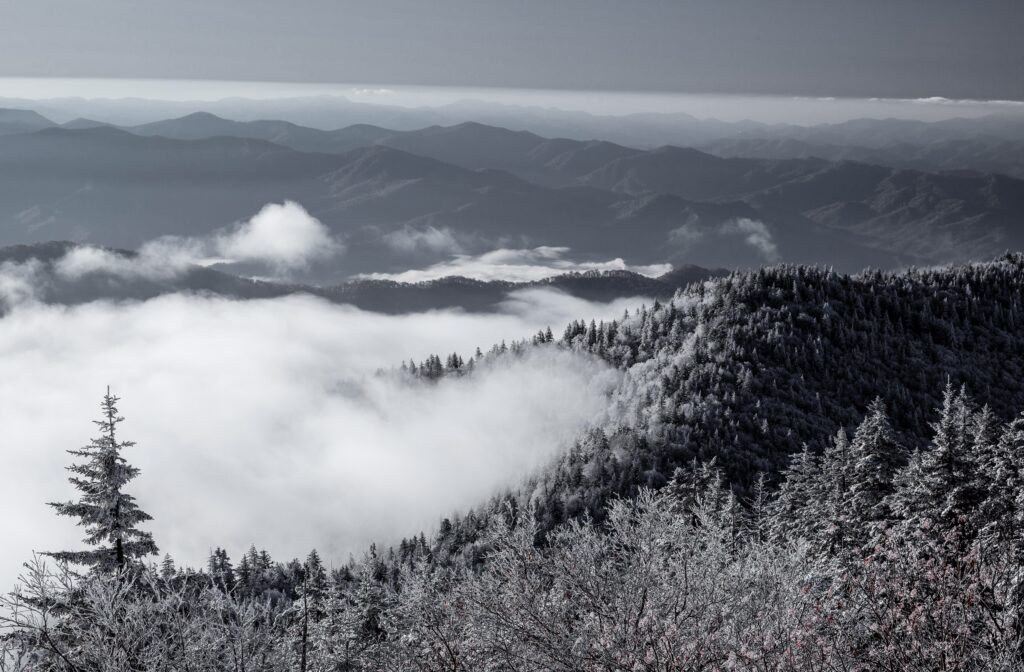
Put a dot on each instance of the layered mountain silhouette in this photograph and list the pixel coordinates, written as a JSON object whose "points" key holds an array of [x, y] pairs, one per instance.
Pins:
{"points": [[383, 191], [969, 154]]}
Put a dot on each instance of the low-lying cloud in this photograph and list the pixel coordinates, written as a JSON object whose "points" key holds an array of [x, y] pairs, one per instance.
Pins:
{"points": [[411, 240], [263, 422], [752, 232], [161, 259], [280, 238], [516, 265]]}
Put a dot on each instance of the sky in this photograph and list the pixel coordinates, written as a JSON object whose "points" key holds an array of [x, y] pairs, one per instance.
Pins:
{"points": [[870, 48]]}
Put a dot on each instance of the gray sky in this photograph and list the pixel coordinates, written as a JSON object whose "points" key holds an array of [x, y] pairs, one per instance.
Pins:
{"points": [[892, 48]]}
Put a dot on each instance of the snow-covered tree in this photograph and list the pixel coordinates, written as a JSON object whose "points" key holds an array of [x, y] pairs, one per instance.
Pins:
{"points": [[109, 515]]}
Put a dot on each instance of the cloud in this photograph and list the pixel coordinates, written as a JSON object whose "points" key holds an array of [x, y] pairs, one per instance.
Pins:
{"points": [[20, 282], [754, 233], [281, 238], [160, 259], [263, 422], [430, 239], [523, 265], [941, 100], [371, 92], [284, 236]]}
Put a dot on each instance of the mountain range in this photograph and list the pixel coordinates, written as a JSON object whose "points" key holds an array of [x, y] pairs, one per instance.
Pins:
{"points": [[384, 192]]}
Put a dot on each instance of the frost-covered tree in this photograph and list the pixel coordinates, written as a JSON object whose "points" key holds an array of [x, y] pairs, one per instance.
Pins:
{"points": [[875, 457], [109, 515], [938, 493]]}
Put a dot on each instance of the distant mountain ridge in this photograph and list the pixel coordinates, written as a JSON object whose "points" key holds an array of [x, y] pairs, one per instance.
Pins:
{"points": [[384, 296], [481, 187]]}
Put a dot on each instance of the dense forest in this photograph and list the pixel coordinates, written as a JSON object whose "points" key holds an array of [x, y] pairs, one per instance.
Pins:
{"points": [[800, 470]]}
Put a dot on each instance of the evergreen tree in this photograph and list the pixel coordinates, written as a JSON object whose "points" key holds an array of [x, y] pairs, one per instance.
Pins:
{"points": [[314, 588], [835, 509], [1004, 474], [875, 456], [109, 515], [167, 568], [221, 571], [798, 491], [937, 495]]}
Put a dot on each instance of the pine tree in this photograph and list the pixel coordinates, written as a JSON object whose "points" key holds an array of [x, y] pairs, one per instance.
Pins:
{"points": [[835, 476], [109, 515], [798, 491], [309, 609], [221, 571], [937, 494], [314, 586], [1004, 474], [167, 568], [876, 457]]}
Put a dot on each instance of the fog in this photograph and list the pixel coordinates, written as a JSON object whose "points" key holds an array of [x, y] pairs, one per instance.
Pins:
{"points": [[517, 265], [263, 422]]}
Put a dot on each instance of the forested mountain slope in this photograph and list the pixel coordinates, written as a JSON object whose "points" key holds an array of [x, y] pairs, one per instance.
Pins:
{"points": [[749, 368]]}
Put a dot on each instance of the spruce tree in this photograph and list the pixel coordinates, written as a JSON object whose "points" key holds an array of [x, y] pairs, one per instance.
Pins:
{"points": [[937, 494], [834, 509], [876, 457], [109, 515], [1002, 508], [167, 569], [799, 491]]}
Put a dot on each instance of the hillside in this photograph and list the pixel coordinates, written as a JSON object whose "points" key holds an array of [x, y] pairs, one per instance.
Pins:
{"points": [[749, 368]]}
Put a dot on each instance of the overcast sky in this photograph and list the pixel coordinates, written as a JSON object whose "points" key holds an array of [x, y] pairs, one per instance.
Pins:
{"points": [[891, 48]]}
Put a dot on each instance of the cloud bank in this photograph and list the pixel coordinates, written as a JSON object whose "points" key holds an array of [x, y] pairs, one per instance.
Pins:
{"points": [[262, 422], [280, 238], [523, 265]]}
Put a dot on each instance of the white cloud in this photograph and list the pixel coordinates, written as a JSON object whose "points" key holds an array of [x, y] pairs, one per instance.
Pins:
{"points": [[20, 282], [940, 100], [754, 233], [371, 92], [262, 422], [160, 259], [430, 239], [284, 236], [524, 265], [280, 237]]}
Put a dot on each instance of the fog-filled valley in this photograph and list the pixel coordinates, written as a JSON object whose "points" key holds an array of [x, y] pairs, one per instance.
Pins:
{"points": [[314, 377], [312, 433]]}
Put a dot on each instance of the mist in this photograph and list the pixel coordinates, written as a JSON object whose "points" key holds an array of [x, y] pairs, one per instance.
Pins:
{"points": [[264, 422], [516, 265]]}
